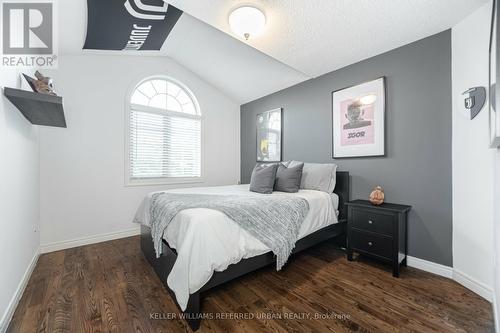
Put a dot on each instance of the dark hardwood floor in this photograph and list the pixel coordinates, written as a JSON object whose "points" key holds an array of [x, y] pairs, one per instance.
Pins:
{"points": [[109, 287]]}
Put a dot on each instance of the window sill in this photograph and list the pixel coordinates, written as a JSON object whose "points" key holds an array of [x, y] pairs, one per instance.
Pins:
{"points": [[163, 181]]}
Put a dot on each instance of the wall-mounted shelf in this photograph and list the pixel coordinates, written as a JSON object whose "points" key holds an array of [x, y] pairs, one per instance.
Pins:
{"points": [[39, 109]]}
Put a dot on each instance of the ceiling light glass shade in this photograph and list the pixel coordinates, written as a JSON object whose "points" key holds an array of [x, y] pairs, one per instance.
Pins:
{"points": [[247, 21]]}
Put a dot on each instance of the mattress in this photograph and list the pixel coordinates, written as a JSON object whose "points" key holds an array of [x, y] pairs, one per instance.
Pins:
{"points": [[207, 240]]}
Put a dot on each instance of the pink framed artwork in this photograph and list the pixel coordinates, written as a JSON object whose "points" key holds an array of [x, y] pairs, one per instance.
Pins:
{"points": [[358, 119]]}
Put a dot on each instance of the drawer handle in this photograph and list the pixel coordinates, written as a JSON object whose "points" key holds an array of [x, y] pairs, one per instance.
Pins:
{"points": [[370, 222], [370, 243]]}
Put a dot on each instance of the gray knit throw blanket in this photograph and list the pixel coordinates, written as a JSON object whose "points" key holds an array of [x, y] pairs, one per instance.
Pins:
{"points": [[274, 220]]}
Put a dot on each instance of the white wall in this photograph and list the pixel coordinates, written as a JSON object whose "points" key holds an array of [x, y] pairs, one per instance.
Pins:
{"points": [[496, 204], [19, 199], [82, 167], [473, 160]]}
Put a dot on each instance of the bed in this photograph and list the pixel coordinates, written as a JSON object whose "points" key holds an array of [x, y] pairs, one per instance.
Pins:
{"points": [[198, 256]]}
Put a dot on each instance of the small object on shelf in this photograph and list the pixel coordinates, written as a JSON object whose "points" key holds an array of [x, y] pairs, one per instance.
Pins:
{"points": [[378, 232], [377, 196], [42, 84], [39, 109]]}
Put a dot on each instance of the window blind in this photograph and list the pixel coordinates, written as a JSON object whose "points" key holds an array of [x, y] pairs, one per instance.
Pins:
{"points": [[164, 145]]}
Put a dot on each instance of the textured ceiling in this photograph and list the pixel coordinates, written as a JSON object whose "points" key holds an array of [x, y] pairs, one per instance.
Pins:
{"points": [[319, 36], [303, 38]]}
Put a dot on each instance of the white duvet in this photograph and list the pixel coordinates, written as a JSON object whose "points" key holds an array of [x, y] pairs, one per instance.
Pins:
{"points": [[207, 240]]}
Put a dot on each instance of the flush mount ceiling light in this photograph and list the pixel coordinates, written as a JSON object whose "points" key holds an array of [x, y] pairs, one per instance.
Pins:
{"points": [[247, 21]]}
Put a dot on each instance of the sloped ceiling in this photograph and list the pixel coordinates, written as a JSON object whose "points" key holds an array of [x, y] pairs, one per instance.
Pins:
{"points": [[233, 67], [238, 70], [316, 37], [303, 39]]}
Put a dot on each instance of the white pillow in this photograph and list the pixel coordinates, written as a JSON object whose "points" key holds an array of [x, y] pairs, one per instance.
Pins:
{"points": [[316, 176]]}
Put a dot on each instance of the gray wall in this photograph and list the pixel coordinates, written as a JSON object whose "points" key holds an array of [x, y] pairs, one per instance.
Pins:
{"points": [[417, 168]]}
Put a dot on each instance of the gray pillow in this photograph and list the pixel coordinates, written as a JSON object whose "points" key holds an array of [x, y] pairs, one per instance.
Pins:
{"points": [[263, 177], [315, 176], [288, 178]]}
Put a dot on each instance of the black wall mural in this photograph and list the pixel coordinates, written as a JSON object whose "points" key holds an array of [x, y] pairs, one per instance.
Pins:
{"points": [[135, 25]]}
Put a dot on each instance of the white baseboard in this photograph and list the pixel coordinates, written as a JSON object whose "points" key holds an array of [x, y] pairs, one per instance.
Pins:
{"points": [[430, 267], [451, 273], [478, 287], [495, 314], [57, 246], [9, 312]]}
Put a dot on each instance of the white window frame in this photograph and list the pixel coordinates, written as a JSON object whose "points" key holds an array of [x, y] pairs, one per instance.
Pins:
{"points": [[129, 181]]}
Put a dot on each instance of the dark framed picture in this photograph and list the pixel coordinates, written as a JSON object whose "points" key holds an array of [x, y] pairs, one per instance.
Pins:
{"points": [[269, 136], [493, 78], [358, 120]]}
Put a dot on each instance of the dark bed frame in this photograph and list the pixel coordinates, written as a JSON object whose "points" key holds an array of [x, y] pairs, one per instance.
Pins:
{"points": [[164, 264]]}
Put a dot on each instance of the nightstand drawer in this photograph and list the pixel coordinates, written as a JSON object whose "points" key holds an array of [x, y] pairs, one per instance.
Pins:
{"points": [[373, 221], [371, 243]]}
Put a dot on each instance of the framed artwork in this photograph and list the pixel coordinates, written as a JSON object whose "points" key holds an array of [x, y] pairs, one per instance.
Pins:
{"points": [[358, 119], [493, 78], [269, 136]]}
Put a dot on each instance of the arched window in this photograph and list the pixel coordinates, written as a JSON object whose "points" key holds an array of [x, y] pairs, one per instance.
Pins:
{"points": [[164, 133]]}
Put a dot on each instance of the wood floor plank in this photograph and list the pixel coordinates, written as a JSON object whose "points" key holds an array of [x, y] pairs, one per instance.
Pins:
{"points": [[110, 287]]}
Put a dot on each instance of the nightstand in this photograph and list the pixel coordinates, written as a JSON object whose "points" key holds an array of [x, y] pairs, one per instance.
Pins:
{"points": [[378, 231]]}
